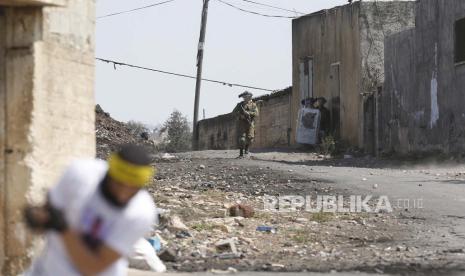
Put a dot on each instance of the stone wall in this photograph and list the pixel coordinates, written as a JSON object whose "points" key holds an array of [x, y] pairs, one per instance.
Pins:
{"points": [[271, 129], [423, 100], [47, 114], [218, 133], [273, 125]]}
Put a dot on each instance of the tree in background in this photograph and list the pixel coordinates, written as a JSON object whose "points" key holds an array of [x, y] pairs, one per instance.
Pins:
{"points": [[179, 133], [138, 129]]}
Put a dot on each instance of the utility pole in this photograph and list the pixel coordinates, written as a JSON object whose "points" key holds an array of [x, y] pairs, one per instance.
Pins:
{"points": [[203, 27]]}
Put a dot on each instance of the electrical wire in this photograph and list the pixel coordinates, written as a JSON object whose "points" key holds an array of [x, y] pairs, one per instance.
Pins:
{"points": [[136, 9], [115, 63], [252, 12], [274, 7]]}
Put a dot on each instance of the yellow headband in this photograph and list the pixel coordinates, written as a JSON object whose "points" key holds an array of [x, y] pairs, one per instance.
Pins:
{"points": [[129, 174]]}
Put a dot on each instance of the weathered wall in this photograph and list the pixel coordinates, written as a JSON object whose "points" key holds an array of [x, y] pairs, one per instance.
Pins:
{"points": [[2, 137], [218, 133], [271, 128], [330, 37], [23, 28], [46, 89], [400, 68], [347, 47], [378, 19], [424, 103], [64, 105]]}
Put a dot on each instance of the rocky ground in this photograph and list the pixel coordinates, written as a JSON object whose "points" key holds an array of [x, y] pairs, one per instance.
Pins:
{"points": [[198, 189], [199, 232]]}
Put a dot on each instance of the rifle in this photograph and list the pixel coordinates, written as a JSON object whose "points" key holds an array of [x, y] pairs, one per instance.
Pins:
{"points": [[246, 115]]}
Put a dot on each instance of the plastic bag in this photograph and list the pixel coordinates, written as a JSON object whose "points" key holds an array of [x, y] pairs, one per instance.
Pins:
{"points": [[145, 257]]}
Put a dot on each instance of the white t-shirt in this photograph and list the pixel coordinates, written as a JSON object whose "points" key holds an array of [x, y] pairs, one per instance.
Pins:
{"points": [[78, 195]]}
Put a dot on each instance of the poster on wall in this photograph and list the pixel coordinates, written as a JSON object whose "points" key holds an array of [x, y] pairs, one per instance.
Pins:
{"points": [[308, 125]]}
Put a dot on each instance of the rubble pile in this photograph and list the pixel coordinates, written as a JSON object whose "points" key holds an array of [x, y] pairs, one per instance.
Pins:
{"points": [[111, 133]]}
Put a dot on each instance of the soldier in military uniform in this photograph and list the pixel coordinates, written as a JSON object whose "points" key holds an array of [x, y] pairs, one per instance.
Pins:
{"points": [[246, 112]]}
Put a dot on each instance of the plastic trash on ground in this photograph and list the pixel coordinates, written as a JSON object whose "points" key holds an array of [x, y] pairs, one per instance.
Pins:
{"points": [[156, 243], [266, 229], [145, 257]]}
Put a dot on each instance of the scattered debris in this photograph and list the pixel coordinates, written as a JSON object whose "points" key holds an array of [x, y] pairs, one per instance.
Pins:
{"points": [[156, 243], [241, 210], [167, 255], [230, 270], [268, 229], [183, 234], [226, 246], [145, 258], [454, 250], [173, 223], [167, 156]]}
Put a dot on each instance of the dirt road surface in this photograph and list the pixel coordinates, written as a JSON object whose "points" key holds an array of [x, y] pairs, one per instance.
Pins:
{"points": [[424, 235]]}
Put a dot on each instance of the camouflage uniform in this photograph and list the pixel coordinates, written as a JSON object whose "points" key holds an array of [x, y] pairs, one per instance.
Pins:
{"points": [[245, 124]]}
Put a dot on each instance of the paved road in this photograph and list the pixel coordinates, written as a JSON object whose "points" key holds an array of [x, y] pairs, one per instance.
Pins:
{"points": [[434, 185], [431, 195]]}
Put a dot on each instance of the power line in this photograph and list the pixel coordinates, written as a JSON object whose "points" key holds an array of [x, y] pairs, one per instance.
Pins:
{"points": [[115, 63], [252, 12], [270, 6], [136, 9]]}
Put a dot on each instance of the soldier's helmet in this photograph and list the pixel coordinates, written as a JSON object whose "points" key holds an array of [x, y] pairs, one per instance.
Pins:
{"points": [[245, 94]]}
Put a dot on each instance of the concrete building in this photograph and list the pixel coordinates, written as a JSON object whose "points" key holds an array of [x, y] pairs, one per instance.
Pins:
{"points": [[423, 102], [47, 113], [339, 54]]}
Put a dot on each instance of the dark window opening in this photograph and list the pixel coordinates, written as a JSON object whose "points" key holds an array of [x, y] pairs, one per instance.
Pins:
{"points": [[460, 40]]}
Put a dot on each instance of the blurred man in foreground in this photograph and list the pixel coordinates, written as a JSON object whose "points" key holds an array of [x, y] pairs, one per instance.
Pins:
{"points": [[94, 215]]}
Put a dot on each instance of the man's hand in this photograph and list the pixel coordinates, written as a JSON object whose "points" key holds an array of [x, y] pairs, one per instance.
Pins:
{"points": [[45, 218], [36, 218]]}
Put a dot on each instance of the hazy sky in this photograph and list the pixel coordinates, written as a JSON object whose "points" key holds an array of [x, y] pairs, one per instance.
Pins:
{"points": [[240, 48]]}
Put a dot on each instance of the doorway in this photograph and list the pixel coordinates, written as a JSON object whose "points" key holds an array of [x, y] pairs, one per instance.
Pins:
{"points": [[306, 78]]}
